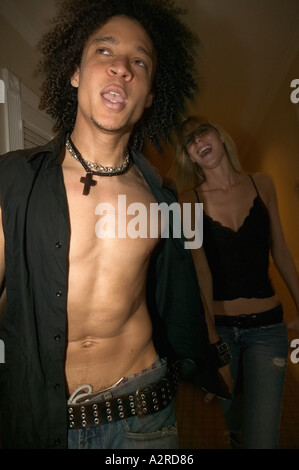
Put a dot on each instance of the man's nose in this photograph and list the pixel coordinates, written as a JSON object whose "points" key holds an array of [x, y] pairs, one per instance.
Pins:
{"points": [[121, 67]]}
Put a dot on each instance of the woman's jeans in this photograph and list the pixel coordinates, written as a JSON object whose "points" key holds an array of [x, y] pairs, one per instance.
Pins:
{"points": [[258, 367], [155, 431]]}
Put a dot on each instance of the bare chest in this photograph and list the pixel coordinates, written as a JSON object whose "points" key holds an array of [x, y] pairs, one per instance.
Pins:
{"points": [[115, 214]]}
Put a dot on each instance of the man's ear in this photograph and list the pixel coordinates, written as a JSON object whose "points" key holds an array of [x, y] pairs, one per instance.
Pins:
{"points": [[149, 100], [75, 79]]}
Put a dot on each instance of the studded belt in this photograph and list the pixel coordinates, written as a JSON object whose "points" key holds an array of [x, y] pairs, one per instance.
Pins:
{"points": [[143, 402]]}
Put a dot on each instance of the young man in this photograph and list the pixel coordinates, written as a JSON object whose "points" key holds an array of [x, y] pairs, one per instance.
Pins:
{"points": [[96, 316]]}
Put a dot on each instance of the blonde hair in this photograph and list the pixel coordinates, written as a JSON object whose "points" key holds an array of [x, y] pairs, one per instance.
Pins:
{"points": [[187, 174]]}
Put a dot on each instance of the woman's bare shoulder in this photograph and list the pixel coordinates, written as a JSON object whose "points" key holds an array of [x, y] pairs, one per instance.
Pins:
{"points": [[263, 179], [266, 187]]}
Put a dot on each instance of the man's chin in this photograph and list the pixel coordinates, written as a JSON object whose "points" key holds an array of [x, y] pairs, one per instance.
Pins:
{"points": [[110, 127]]}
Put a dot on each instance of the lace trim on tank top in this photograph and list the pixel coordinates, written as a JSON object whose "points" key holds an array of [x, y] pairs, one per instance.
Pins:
{"points": [[252, 207]]}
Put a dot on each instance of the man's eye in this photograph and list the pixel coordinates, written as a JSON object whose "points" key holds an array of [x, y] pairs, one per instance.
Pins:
{"points": [[140, 62], [103, 51]]}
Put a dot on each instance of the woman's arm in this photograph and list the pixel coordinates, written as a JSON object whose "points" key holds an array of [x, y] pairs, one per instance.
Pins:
{"points": [[205, 282], [203, 275]]}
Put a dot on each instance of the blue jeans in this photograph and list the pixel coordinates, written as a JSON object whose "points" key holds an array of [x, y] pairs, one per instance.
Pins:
{"points": [[258, 366], [156, 431]]}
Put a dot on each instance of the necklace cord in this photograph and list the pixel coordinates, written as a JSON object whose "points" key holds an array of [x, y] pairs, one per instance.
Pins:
{"points": [[95, 168]]}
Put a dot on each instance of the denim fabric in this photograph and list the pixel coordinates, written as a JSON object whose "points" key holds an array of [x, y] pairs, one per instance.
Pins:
{"points": [[258, 366], [156, 431]]}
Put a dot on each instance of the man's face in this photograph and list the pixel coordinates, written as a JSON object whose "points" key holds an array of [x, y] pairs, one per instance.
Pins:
{"points": [[115, 76]]}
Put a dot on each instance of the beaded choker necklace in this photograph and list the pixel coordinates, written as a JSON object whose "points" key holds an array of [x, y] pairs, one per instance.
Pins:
{"points": [[94, 168]]}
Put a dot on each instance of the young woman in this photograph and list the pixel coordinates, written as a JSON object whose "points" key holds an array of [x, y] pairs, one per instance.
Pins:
{"points": [[241, 228]]}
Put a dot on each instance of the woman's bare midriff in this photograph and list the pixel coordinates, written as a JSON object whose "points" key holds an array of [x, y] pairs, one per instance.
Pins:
{"points": [[244, 306]]}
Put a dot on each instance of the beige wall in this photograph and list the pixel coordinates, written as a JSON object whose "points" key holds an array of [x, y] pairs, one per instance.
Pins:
{"points": [[275, 150], [20, 58], [17, 55]]}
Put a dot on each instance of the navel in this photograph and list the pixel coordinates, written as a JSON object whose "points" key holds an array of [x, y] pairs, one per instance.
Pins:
{"points": [[87, 344]]}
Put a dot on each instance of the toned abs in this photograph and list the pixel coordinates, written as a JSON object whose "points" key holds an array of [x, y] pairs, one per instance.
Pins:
{"points": [[109, 327]]}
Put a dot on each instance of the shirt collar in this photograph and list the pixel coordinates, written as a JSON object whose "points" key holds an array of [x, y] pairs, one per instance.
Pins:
{"points": [[53, 147], [147, 169]]}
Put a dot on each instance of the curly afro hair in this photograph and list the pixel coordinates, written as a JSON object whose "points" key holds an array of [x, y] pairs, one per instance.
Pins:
{"points": [[175, 80]]}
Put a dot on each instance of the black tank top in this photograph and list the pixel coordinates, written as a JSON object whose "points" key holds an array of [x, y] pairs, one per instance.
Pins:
{"points": [[239, 260]]}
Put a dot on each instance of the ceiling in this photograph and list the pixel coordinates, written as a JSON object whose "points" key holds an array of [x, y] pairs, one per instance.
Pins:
{"points": [[247, 49]]}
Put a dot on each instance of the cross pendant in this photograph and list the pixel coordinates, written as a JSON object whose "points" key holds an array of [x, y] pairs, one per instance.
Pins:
{"points": [[88, 182]]}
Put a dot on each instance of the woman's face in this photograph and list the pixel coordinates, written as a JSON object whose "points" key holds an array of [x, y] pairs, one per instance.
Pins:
{"points": [[206, 147]]}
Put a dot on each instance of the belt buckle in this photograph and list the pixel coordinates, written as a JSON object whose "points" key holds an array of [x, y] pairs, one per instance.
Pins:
{"points": [[245, 321]]}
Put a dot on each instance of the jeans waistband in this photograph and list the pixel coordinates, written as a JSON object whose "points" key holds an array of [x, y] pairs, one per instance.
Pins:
{"points": [[254, 320], [124, 384]]}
